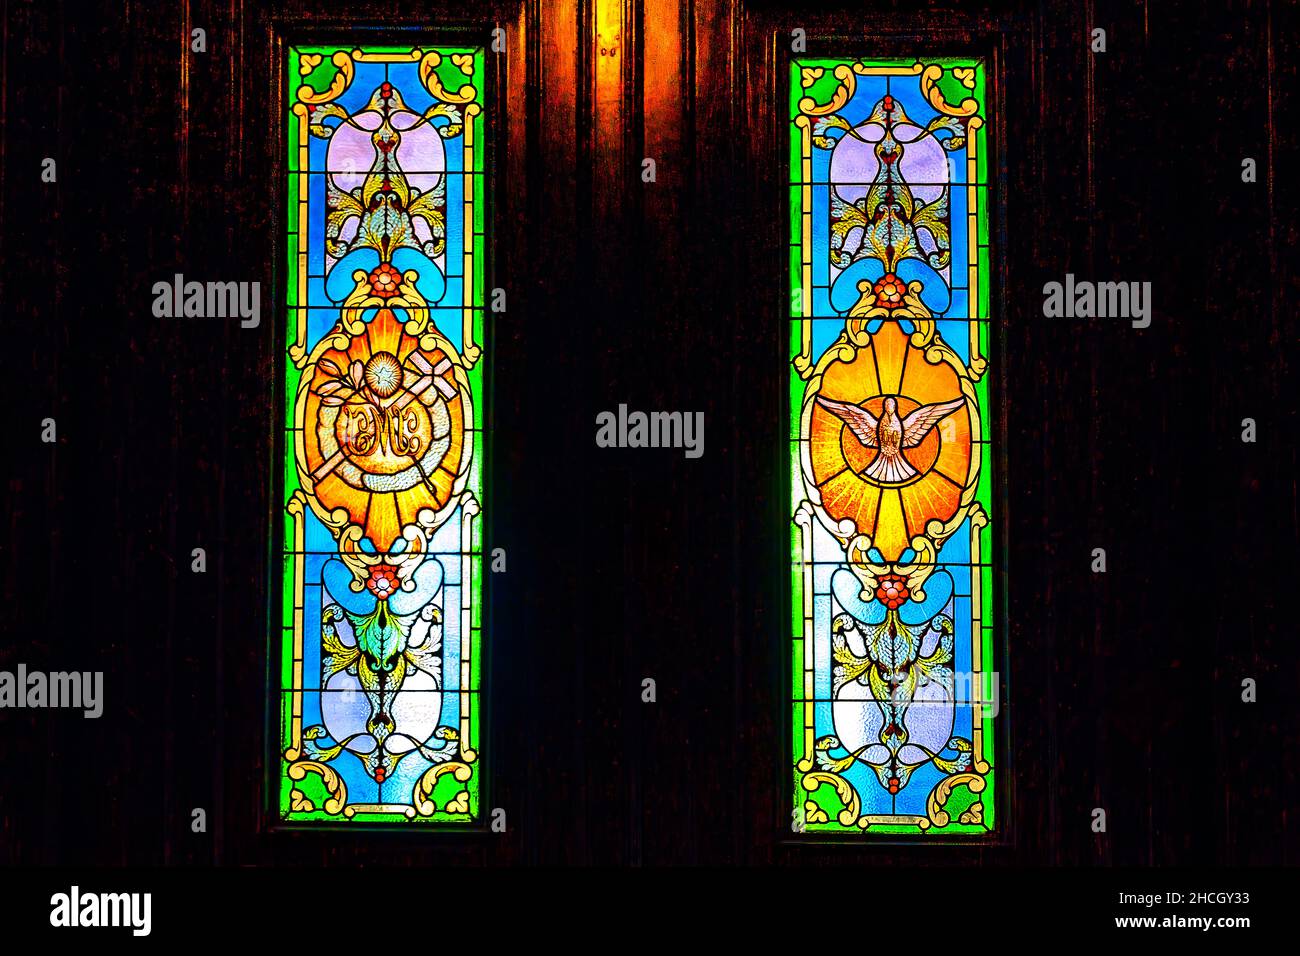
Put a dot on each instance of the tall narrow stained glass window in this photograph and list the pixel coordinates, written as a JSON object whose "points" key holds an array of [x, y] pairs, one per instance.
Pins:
{"points": [[893, 695], [380, 645]]}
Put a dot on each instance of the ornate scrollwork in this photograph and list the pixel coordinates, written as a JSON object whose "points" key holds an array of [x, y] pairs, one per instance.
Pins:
{"points": [[382, 436], [334, 785], [363, 298], [861, 324], [843, 93], [433, 83], [421, 802], [930, 89], [338, 85], [936, 814], [843, 789], [891, 440]]}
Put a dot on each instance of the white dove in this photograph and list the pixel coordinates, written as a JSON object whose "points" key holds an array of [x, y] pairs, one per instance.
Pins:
{"points": [[889, 433]]}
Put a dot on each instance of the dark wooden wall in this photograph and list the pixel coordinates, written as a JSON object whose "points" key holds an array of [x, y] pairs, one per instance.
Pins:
{"points": [[1124, 688]]}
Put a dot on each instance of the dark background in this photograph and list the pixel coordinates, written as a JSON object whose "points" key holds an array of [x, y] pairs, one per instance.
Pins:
{"points": [[1124, 688]]}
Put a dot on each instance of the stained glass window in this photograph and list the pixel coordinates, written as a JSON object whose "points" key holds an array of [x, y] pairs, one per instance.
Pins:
{"points": [[380, 643], [893, 690]]}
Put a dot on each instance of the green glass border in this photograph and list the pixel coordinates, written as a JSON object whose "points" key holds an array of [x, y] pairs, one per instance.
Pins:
{"points": [[824, 797], [447, 786]]}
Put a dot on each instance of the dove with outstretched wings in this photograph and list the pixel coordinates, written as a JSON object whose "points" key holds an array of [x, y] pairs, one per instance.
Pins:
{"points": [[890, 433]]}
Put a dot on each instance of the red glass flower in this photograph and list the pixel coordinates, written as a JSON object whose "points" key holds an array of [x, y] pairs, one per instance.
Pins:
{"points": [[383, 582], [892, 591], [889, 290], [385, 280]]}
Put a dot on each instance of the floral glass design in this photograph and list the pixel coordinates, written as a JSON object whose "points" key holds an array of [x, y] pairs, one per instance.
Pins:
{"points": [[893, 695], [380, 643]]}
